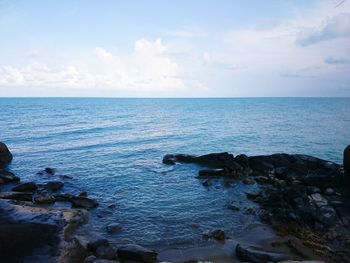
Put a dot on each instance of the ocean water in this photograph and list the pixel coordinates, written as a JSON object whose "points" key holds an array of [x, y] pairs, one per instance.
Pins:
{"points": [[113, 149]]}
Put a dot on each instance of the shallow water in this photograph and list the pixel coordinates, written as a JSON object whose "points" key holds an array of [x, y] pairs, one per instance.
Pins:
{"points": [[113, 149]]}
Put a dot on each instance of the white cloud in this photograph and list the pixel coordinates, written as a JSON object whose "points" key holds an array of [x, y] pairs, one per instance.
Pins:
{"points": [[147, 69], [333, 28], [270, 50]]}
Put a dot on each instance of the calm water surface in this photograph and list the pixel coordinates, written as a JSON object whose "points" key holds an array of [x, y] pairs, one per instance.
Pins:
{"points": [[113, 149]]}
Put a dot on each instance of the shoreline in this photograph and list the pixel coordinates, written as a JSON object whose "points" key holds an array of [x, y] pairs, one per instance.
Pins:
{"points": [[281, 178]]}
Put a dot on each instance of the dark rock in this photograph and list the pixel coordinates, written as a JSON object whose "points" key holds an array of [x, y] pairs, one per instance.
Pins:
{"points": [[346, 163], [313, 190], [327, 215], [94, 244], [20, 196], [248, 181], [8, 177], [90, 259], [83, 194], [44, 198], [257, 255], [112, 206], [242, 160], [280, 172], [169, 159], [329, 191], [5, 155], [136, 252], [18, 239], [211, 173], [25, 187], [83, 202], [318, 200], [50, 170], [218, 234], [206, 183], [106, 252], [53, 185], [212, 160], [113, 228], [262, 179], [232, 207]]}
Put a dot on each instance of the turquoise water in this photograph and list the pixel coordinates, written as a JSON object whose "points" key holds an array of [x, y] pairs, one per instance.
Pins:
{"points": [[113, 149]]}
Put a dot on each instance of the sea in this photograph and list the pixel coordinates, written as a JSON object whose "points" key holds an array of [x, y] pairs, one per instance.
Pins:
{"points": [[112, 148]]}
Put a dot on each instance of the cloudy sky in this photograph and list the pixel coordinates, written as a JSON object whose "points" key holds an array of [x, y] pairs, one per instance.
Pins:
{"points": [[182, 48]]}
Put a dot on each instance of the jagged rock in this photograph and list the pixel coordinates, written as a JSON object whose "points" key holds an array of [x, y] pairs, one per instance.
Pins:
{"points": [[136, 252], [5, 155], [8, 177], [113, 228], [25, 187], [257, 255], [53, 185], [83, 194]]}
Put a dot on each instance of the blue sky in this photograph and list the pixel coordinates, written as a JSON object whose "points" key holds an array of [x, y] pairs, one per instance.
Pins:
{"points": [[175, 48]]}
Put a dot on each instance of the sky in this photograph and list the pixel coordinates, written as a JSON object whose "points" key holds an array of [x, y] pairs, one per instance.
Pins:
{"points": [[178, 48]]}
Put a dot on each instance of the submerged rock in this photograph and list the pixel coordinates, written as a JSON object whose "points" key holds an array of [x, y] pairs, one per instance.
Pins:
{"points": [[25, 187], [136, 252], [113, 228], [257, 255], [50, 170], [5, 155]]}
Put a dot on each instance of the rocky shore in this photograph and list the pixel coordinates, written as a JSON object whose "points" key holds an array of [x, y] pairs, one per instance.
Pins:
{"points": [[304, 207], [304, 198], [32, 229]]}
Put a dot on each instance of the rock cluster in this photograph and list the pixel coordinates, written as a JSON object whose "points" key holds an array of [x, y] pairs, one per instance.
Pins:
{"points": [[38, 227], [300, 194]]}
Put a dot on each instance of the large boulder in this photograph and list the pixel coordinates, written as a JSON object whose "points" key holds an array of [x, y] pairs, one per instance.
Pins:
{"points": [[5, 155], [346, 163], [137, 253]]}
